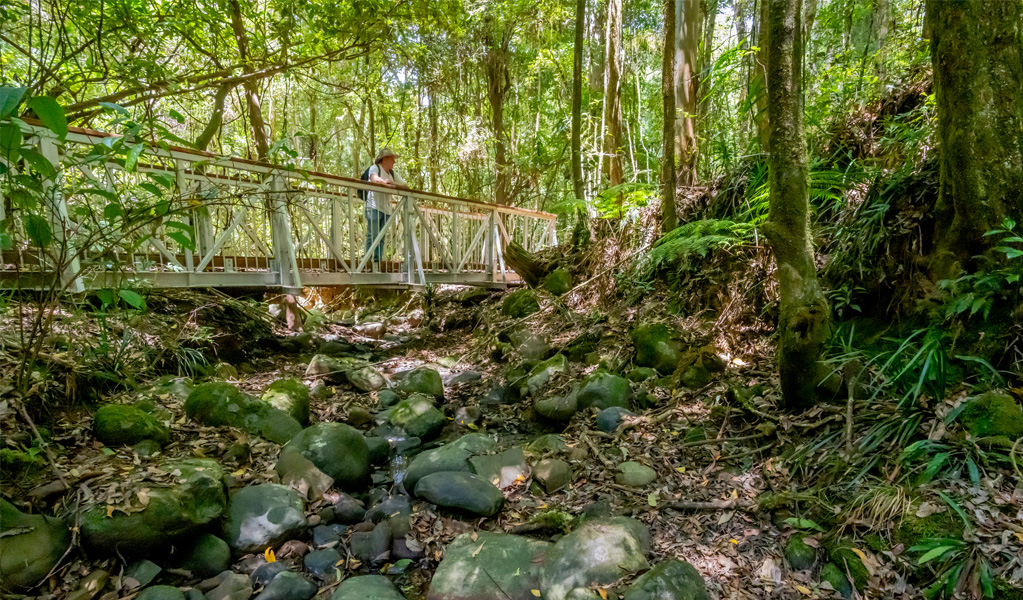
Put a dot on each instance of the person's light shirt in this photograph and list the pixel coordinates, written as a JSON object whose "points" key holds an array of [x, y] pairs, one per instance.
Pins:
{"points": [[381, 200]]}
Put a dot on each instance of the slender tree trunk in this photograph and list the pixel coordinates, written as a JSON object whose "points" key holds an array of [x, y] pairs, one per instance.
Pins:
{"points": [[759, 83], [251, 86], [742, 35], [434, 142], [803, 311], [687, 88], [669, 219], [202, 142], [577, 100], [314, 138], [706, 62], [977, 51], [498, 84], [612, 95]]}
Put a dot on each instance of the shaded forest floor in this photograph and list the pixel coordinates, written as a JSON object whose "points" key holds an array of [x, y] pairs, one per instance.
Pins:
{"points": [[759, 502]]}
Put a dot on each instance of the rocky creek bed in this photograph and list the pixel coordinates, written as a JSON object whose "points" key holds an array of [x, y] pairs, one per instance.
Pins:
{"points": [[561, 464]]}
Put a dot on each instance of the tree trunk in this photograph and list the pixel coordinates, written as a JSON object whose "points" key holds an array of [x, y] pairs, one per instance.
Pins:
{"points": [[669, 219], [689, 15], [251, 86], [434, 142], [803, 311], [498, 84], [202, 142], [977, 53], [742, 35], [577, 100], [612, 97], [759, 83]]}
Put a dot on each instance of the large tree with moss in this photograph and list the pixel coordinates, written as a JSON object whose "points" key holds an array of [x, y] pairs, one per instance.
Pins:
{"points": [[804, 316], [977, 52]]}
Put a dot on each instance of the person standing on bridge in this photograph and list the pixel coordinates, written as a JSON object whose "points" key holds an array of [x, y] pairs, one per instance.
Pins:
{"points": [[378, 204]]}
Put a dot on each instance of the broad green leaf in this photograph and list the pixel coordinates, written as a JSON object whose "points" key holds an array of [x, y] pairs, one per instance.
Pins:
{"points": [[51, 114], [106, 297], [10, 143], [182, 239], [115, 107], [800, 523], [179, 225], [10, 97], [132, 299], [6, 241], [176, 116], [38, 230], [39, 163], [132, 157], [934, 553], [152, 189], [112, 211]]}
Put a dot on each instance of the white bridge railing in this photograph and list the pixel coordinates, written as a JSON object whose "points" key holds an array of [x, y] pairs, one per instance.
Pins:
{"points": [[235, 222]]}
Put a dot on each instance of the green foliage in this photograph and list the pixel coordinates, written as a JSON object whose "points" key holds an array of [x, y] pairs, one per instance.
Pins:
{"points": [[697, 238], [975, 294]]}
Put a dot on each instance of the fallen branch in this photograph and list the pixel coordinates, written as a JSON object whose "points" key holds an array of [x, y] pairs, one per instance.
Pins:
{"points": [[712, 505], [596, 451]]}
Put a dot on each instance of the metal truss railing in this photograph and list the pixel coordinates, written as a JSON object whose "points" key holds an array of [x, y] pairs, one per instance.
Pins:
{"points": [[235, 222]]}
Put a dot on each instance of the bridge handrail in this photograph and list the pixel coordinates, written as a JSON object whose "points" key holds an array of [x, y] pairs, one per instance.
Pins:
{"points": [[92, 136]]}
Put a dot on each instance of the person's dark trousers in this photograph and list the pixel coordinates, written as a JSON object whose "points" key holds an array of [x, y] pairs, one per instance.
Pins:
{"points": [[375, 221]]}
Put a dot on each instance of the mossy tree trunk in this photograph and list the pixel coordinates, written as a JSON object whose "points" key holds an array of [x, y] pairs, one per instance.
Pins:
{"points": [[977, 53], [804, 316], [669, 217]]}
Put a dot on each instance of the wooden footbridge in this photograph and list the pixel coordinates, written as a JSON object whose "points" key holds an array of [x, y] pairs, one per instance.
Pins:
{"points": [[229, 222]]}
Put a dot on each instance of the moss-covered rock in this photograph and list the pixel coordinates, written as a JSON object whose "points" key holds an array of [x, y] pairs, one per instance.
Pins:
{"points": [[641, 374], [206, 556], [189, 502], [122, 424], [836, 577], [261, 516], [421, 380], [846, 558], [556, 408], [912, 530], [670, 579], [601, 390], [487, 565], [992, 414], [336, 449], [453, 456], [558, 282], [656, 347], [598, 553], [220, 403], [801, 556], [291, 396], [30, 545], [418, 417], [520, 303], [541, 374], [15, 463]]}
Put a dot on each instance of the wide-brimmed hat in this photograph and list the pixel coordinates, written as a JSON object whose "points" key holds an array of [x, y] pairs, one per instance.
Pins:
{"points": [[384, 153]]}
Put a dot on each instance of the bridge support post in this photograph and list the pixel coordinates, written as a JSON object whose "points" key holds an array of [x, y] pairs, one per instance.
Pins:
{"points": [[57, 215], [284, 251], [490, 240]]}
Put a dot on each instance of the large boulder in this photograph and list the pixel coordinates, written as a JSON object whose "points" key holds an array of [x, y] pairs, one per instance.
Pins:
{"points": [[30, 546], [993, 414], [453, 456], [193, 499], [671, 579], [261, 516], [634, 474], [656, 347], [598, 553], [367, 587], [291, 396], [601, 389], [218, 404], [336, 449], [502, 470], [489, 566], [801, 556], [558, 282], [421, 380], [206, 556], [520, 303], [288, 586], [528, 345], [123, 424], [557, 408], [461, 491], [552, 474], [610, 418], [541, 374], [418, 417], [366, 379]]}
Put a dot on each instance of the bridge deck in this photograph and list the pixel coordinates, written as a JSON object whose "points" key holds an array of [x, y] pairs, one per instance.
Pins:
{"points": [[124, 212]]}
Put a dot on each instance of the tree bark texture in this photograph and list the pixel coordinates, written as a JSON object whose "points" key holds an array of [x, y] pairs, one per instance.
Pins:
{"points": [[577, 99], [689, 18], [251, 86], [759, 83], [977, 53], [804, 318], [612, 96], [669, 218], [498, 84]]}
